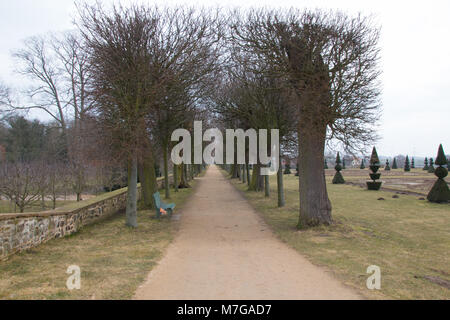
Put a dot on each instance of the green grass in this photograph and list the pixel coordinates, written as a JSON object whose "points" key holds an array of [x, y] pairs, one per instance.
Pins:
{"points": [[408, 238], [7, 207], [113, 258]]}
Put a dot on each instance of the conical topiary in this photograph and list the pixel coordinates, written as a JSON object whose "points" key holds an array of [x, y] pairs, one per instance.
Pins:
{"points": [[394, 164], [362, 166], [440, 192], [407, 167], [296, 170], [387, 167], [425, 164], [338, 178], [374, 166], [325, 164], [412, 163], [431, 166], [343, 163]]}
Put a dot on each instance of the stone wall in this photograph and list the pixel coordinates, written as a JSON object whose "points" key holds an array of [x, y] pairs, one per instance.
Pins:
{"points": [[26, 230]]}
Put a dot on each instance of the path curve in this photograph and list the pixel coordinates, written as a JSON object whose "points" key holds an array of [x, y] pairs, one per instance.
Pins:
{"points": [[225, 251]]}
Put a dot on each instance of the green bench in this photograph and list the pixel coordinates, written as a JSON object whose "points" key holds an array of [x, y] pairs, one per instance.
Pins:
{"points": [[161, 205]]}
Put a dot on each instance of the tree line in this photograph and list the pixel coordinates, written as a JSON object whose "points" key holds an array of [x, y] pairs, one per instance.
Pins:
{"points": [[128, 76]]}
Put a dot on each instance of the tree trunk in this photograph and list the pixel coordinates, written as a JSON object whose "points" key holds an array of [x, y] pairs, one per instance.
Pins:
{"points": [[175, 177], [280, 186], [257, 181], [183, 177], [247, 169], [244, 173], [315, 206], [148, 181], [131, 210], [166, 172], [266, 186]]}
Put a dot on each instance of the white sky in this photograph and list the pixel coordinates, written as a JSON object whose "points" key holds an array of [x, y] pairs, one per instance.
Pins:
{"points": [[415, 45]]}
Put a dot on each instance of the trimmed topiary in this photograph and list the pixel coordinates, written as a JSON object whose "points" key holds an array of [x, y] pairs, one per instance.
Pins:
{"points": [[407, 167], [362, 166], [374, 166], [325, 164], [394, 164], [431, 166], [440, 192], [412, 163], [338, 178], [387, 167], [296, 170], [425, 164]]}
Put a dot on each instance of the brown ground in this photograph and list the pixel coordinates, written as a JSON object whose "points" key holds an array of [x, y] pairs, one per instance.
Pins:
{"points": [[225, 251]]}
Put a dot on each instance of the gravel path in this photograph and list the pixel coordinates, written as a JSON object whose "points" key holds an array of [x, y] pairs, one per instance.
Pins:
{"points": [[225, 251]]}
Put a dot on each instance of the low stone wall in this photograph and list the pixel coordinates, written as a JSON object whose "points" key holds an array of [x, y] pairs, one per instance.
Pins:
{"points": [[21, 231], [26, 230]]}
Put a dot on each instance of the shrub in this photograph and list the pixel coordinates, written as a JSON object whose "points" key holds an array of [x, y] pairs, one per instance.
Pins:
{"points": [[431, 166], [407, 167], [362, 166], [287, 169], [440, 192], [425, 164], [387, 167], [374, 166], [338, 178], [394, 164]]}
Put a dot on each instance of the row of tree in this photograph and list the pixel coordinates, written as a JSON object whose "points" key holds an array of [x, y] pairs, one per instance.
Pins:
{"points": [[134, 74]]}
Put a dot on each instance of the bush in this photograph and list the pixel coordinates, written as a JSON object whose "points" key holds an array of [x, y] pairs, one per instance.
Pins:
{"points": [[394, 164], [338, 178], [440, 192], [431, 166], [425, 164], [387, 167], [407, 167], [374, 166], [362, 166]]}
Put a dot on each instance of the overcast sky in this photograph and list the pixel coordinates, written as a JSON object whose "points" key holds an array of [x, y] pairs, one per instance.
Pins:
{"points": [[415, 45]]}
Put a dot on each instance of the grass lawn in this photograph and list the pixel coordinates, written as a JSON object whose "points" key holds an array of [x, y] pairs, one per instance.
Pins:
{"points": [[7, 207], [113, 258], [408, 238]]}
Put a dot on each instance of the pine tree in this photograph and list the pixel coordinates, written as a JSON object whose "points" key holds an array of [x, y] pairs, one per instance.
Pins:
{"points": [[431, 166], [412, 163], [338, 178], [407, 167], [374, 166], [440, 192], [425, 164], [387, 167], [362, 166], [394, 164]]}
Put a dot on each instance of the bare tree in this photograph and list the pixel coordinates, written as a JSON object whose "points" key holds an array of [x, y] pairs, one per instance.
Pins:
{"points": [[22, 183], [328, 62]]}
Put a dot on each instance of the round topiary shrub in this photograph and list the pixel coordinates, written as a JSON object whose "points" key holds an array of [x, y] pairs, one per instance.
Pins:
{"points": [[440, 192], [374, 175], [338, 178]]}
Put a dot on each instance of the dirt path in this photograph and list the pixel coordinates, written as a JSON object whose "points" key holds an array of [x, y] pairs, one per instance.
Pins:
{"points": [[225, 251]]}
